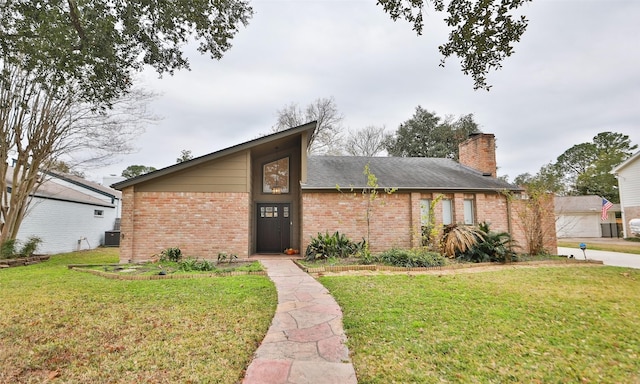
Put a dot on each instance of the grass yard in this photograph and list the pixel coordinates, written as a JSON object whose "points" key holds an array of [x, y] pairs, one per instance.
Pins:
{"points": [[75, 327], [603, 245], [546, 325]]}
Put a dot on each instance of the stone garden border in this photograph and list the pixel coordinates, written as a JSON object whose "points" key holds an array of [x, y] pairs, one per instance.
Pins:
{"points": [[9, 263], [117, 276]]}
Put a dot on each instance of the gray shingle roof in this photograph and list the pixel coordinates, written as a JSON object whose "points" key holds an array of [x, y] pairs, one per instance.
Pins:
{"points": [[325, 172], [49, 189], [52, 190]]}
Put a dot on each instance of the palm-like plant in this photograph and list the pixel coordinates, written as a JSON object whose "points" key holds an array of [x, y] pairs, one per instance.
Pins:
{"points": [[495, 247], [458, 239]]}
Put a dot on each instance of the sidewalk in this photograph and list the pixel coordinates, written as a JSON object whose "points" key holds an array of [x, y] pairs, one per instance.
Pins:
{"points": [[616, 259], [306, 341]]}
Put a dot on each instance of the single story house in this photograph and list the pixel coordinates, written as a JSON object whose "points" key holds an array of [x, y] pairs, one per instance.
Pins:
{"points": [[628, 174], [581, 216], [267, 194], [70, 213]]}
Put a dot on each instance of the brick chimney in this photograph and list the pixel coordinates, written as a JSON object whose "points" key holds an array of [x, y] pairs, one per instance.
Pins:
{"points": [[479, 152]]}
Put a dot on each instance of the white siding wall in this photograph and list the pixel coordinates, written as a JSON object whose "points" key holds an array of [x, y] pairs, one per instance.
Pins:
{"points": [[629, 184], [60, 224]]}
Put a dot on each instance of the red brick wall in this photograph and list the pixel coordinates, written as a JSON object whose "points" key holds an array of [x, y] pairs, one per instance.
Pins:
{"points": [[395, 219], [200, 224], [492, 208], [522, 220], [390, 224], [479, 152]]}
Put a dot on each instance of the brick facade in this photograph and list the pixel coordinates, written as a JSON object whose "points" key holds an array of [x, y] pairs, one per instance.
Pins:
{"points": [[396, 219], [200, 224], [479, 152], [522, 213], [390, 219]]}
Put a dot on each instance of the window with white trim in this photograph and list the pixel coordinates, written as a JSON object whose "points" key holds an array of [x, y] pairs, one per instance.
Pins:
{"points": [[425, 226], [98, 213], [469, 216], [425, 205], [447, 211]]}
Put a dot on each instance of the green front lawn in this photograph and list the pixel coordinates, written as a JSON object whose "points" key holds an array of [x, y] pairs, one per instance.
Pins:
{"points": [[545, 325], [80, 328], [570, 324]]}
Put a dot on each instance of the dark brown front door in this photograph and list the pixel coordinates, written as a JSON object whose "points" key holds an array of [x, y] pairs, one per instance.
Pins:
{"points": [[274, 227]]}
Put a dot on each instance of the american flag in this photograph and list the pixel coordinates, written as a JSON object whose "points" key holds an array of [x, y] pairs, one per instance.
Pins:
{"points": [[606, 204]]}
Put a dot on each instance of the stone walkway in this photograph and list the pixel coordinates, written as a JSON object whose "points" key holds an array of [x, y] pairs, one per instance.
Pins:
{"points": [[306, 341]]}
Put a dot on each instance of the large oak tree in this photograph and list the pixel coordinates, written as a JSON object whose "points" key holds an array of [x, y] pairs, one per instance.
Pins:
{"points": [[481, 33], [427, 135], [101, 44]]}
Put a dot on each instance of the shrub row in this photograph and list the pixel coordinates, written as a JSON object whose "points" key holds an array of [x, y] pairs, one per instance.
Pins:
{"points": [[409, 258]]}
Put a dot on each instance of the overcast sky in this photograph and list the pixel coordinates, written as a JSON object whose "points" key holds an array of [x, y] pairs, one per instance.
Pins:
{"points": [[575, 73]]}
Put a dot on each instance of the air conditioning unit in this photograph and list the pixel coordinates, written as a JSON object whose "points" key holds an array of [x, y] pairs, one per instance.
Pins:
{"points": [[112, 239]]}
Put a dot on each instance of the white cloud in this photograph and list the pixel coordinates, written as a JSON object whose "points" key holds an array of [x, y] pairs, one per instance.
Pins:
{"points": [[573, 75]]}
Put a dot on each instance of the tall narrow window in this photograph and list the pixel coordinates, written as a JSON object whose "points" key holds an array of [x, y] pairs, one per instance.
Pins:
{"points": [[425, 225], [447, 212], [424, 212], [275, 176], [469, 216]]}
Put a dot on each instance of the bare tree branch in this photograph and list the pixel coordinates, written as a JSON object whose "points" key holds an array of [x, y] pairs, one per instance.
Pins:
{"points": [[327, 135], [42, 125], [369, 141]]}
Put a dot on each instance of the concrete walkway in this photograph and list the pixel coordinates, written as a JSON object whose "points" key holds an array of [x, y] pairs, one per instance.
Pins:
{"points": [[306, 341], [616, 259]]}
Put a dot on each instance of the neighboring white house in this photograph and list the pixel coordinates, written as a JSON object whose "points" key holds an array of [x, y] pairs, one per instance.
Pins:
{"points": [[580, 216], [628, 174], [69, 213]]}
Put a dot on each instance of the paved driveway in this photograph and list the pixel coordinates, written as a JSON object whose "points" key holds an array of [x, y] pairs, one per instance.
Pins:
{"points": [[608, 258]]}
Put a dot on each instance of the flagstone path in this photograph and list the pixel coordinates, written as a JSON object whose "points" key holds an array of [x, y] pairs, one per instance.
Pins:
{"points": [[306, 341]]}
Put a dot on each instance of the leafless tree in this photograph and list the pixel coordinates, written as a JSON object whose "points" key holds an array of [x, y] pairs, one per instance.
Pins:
{"points": [[369, 141], [327, 135], [41, 125], [536, 220]]}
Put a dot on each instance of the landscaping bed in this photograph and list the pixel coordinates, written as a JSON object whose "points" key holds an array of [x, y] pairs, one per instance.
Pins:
{"points": [[171, 270], [354, 265]]}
